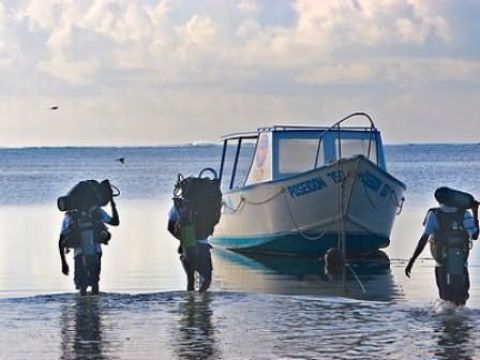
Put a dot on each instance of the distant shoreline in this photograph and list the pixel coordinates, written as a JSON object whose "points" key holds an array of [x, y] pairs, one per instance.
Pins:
{"points": [[196, 145]]}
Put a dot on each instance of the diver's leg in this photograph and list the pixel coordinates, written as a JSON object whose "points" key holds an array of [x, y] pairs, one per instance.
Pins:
{"points": [[92, 268], [442, 285], [465, 286], [95, 276], [80, 277], [204, 266], [188, 259]]}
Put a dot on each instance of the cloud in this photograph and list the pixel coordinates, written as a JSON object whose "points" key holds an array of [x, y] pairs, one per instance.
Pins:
{"points": [[10, 53], [238, 55], [76, 70], [199, 31], [170, 34], [343, 73], [248, 6], [423, 28], [124, 22]]}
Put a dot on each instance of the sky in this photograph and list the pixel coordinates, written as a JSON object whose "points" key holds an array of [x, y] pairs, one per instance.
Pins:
{"points": [[155, 72]]}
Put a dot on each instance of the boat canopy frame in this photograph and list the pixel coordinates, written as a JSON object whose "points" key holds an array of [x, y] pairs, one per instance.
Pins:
{"points": [[323, 131]]}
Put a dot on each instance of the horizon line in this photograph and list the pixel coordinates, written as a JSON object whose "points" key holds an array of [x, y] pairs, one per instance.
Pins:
{"points": [[194, 144]]}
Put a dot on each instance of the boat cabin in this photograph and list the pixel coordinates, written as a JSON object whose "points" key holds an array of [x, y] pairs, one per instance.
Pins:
{"points": [[279, 152]]}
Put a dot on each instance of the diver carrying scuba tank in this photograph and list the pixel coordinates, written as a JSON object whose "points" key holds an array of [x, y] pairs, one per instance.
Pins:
{"points": [[196, 209], [450, 227], [84, 230]]}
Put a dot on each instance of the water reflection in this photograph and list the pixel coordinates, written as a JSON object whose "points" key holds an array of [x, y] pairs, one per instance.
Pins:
{"points": [[82, 330], [196, 333], [455, 338], [364, 278]]}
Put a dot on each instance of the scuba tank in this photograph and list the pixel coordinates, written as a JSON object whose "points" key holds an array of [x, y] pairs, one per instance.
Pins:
{"points": [[455, 198], [187, 235], [198, 201], [450, 248], [86, 194], [85, 230], [450, 245], [87, 237], [185, 224], [71, 235]]}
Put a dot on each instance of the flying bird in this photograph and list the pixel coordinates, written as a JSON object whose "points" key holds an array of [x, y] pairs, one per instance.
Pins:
{"points": [[122, 160], [54, 108]]}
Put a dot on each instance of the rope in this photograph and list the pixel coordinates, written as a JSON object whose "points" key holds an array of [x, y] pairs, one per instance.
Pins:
{"points": [[392, 197], [244, 200], [250, 202], [356, 277], [237, 208], [297, 227], [342, 244], [370, 200]]}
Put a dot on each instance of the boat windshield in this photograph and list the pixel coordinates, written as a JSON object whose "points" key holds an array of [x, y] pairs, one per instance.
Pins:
{"points": [[353, 147], [298, 155], [279, 153], [297, 152]]}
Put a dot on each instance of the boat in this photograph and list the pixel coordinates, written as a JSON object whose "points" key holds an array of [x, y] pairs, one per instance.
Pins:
{"points": [[300, 190]]}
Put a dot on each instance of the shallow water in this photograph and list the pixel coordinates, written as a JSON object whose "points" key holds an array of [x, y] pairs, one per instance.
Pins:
{"points": [[228, 325], [258, 307]]}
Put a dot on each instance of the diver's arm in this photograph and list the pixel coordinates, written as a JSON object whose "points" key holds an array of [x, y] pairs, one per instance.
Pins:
{"points": [[174, 219], [171, 227], [475, 220], [115, 218], [420, 246], [61, 250]]}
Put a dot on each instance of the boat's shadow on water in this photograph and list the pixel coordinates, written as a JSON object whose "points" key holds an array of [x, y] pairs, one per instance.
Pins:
{"points": [[364, 278]]}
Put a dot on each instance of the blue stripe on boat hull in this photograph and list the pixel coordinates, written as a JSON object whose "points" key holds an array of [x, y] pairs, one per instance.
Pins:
{"points": [[292, 244]]}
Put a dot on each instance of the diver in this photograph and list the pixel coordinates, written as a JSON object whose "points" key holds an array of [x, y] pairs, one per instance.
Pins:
{"points": [[194, 248], [84, 230], [450, 229], [196, 210], [180, 226]]}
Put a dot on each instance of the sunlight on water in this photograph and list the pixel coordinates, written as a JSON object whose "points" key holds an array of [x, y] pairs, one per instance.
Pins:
{"points": [[140, 257], [222, 325], [259, 307]]}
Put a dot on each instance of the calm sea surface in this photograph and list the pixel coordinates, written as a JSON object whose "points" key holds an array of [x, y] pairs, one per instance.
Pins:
{"points": [[258, 308]]}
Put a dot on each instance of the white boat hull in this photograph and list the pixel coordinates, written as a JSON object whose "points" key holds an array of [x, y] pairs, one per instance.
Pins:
{"points": [[304, 214]]}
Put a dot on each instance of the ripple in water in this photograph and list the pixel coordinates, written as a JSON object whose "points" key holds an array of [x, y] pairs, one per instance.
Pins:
{"points": [[232, 326]]}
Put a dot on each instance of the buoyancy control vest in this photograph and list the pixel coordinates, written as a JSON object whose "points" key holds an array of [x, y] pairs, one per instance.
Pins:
{"points": [[199, 202], [450, 243], [85, 230]]}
